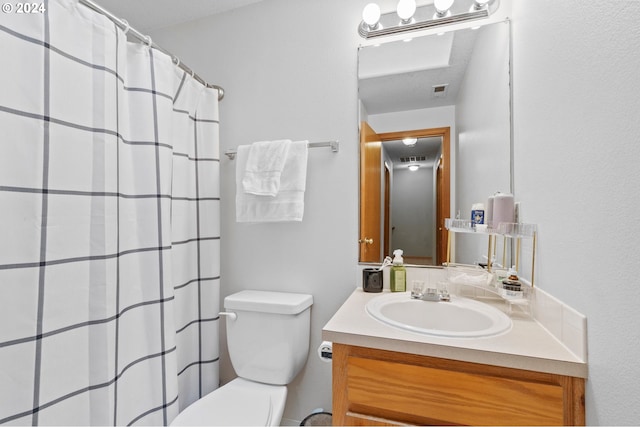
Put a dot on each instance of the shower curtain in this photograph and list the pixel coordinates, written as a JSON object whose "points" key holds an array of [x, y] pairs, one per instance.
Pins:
{"points": [[109, 225]]}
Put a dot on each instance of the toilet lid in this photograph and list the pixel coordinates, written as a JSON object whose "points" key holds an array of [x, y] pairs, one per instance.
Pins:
{"points": [[228, 406]]}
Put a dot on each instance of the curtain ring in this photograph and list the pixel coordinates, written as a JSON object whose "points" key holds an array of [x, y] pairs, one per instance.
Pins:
{"points": [[126, 26], [148, 41]]}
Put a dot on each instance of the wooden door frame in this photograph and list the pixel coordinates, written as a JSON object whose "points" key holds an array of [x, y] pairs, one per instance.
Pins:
{"points": [[445, 212], [370, 249], [386, 228]]}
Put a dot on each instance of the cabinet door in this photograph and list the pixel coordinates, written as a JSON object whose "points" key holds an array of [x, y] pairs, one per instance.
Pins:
{"points": [[353, 419], [388, 387]]}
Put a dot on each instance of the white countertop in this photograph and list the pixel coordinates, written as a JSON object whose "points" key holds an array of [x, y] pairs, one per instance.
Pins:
{"points": [[526, 346]]}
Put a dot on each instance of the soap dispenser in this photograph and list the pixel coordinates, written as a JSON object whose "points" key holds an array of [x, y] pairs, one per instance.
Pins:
{"points": [[398, 273]]}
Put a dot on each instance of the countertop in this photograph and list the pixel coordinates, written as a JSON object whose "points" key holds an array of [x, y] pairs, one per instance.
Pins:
{"points": [[527, 345]]}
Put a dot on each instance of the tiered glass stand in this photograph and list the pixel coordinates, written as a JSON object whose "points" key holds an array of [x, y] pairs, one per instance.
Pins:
{"points": [[515, 231]]}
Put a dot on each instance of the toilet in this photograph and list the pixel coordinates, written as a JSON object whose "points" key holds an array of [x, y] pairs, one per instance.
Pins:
{"points": [[268, 342]]}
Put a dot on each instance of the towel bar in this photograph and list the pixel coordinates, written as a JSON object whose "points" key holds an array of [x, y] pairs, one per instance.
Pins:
{"points": [[335, 146]]}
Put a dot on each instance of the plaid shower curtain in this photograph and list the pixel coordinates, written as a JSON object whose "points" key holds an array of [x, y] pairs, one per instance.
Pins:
{"points": [[109, 225]]}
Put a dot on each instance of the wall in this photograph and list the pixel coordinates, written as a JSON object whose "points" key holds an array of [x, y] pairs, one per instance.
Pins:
{"points": [[413, 219], [414, 119], [424, 118], [576, 113], [289, 71], [483, 132], [576, 103]]}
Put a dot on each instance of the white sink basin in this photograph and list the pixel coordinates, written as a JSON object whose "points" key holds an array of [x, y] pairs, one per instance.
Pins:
{"points": [[459, 318]]}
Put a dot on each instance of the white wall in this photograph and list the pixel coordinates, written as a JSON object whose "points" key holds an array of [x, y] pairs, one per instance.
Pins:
{"points": [[576, 129], [413, 220], [289, 71], [424, 118], [483, 132]]}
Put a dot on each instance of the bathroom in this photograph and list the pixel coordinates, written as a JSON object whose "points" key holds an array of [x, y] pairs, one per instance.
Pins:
{"points": [[289, 69]]}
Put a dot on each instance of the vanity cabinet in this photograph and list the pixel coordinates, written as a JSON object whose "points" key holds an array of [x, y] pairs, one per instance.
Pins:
{"points": [[379, 387]]}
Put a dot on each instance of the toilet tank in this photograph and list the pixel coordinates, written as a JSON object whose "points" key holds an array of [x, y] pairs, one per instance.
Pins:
{"points": [[268, 341]]}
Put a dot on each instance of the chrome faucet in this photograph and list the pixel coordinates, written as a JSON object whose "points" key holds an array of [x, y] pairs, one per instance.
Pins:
{"points": [[432, 294]]}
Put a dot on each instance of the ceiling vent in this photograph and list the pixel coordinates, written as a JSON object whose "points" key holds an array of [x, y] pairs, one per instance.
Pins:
{"points": [[440, 91], [412, 159]]}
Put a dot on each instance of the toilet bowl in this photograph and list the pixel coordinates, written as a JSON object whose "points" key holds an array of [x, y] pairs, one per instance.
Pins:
{"points": [[238, 403], [268, 342]]}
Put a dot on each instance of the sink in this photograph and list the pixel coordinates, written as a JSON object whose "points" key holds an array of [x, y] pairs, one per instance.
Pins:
{"points": [[459, 318]]}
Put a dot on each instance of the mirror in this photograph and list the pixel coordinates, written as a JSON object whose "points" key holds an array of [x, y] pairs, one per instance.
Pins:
{"points": [[452, 92]]}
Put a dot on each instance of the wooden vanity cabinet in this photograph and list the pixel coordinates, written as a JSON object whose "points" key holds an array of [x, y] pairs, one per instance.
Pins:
{"points": [[378, 387]]}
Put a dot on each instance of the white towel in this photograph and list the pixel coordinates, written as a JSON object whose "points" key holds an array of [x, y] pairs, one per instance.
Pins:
{"points": [[288, 203], [264, 167]]}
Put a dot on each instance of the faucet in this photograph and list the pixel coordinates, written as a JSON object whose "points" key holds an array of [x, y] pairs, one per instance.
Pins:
{"points": [[432, 294]]}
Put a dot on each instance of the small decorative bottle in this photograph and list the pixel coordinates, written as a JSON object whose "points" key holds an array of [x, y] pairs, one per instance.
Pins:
{"points": [[398, 273]]}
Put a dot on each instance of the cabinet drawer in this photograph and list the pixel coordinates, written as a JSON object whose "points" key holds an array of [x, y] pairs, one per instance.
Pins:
{"points": [[380, 387], [422, 394]]}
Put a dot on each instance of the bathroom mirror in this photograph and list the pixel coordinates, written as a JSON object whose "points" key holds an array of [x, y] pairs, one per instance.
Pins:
{"points": [[455, 82]]}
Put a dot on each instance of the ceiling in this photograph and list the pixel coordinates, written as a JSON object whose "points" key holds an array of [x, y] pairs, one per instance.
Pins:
{"points": [[149, 15], [403, 155], [412, 88], [401, 76]]}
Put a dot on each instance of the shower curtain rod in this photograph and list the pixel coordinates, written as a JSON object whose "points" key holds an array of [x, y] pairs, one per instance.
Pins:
{"points": [[123, 24], [335, 146]]}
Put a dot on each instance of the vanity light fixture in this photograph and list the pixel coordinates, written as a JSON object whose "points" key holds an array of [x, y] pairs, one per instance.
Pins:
{"points": [[414, 167], [405, 10], [442, 8], [371, 16], [409, 142], [409, 17], [480, 4]]}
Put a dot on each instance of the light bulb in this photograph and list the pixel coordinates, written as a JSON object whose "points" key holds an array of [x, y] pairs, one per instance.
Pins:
{"points": [[409, 141], [442, 6], [371, 14], [414, 168], [480, 4], [406, 9]]}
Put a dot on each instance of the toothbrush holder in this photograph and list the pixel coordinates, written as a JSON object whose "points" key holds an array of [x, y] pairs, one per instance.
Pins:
{"points": [[372, 280]]}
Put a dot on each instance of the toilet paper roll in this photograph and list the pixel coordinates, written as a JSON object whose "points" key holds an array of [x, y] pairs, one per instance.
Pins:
{"points": [[325, 351]]}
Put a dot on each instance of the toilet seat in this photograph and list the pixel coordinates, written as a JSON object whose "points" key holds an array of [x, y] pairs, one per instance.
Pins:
{"points": [[238, 403]]}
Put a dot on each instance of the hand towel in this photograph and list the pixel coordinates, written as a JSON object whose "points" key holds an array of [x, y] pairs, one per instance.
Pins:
{"points": [[264, 167], [288, 203]]}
